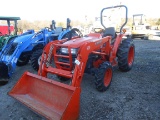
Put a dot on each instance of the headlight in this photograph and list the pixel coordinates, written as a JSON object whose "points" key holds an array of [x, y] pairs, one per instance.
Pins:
{"points": [[73, 51]]}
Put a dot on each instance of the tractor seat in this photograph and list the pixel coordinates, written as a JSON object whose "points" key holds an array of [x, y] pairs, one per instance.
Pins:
{"points": [[110, 31], [57, 31]]}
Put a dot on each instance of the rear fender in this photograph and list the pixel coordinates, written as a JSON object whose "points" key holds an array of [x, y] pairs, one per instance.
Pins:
{"points": [[61, 35], [38, 40], [41, 38]]}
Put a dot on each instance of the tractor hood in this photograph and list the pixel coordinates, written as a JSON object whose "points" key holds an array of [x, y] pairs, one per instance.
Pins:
{"points": [[23, 38], [76, 43]]}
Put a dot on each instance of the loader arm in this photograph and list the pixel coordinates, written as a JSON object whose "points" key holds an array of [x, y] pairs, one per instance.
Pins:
{"points": [[47, 55]]}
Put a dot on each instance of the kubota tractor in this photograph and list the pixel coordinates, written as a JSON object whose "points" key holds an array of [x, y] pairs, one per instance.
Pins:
{"points": [[96, 54]]}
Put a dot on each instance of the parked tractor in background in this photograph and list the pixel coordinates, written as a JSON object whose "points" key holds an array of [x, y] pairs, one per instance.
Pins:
{"points": [[140, 29], [5, 31], [95, 54], [8, 33], [21, 49]]}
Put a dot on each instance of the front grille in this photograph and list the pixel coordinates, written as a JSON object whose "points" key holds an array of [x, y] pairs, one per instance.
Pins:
{"points": [[66, 60]]}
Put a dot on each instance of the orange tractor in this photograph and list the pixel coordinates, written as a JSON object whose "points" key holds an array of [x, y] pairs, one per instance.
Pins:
{"points": [[96, 54]]}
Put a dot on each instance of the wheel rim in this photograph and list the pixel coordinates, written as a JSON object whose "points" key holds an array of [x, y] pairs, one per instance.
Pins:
{"points": [[131, 55], [39, 60], [108, 77]]}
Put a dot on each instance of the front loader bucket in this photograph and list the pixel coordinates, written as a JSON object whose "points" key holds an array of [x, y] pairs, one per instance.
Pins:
{"points": [[50, 99]]}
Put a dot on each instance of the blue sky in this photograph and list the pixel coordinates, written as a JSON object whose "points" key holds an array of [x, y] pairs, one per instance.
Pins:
{"points": [[74, 9]]}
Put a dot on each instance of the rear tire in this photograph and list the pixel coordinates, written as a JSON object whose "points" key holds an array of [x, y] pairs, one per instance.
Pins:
{"points": [[125, 54], [35, 59], [103, 76]]}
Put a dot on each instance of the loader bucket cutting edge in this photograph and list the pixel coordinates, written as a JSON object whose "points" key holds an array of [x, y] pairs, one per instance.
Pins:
{"points": [[50, 99]]}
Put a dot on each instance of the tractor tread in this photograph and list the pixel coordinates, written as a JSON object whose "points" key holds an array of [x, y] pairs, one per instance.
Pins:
{"points": [[122, 54], [34, 58], [99, 77], [22, 60]]}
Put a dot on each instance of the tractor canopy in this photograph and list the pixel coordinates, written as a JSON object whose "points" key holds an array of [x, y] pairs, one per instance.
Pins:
{"points": [[9, 18]]}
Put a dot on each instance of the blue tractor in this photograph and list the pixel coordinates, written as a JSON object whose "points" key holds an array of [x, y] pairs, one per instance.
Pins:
{"points": [[23, 48]]}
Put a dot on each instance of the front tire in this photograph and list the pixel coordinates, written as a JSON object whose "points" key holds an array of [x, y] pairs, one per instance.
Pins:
{"points": [[103, 76], [23, 60], [35, 59], [125, 54]]}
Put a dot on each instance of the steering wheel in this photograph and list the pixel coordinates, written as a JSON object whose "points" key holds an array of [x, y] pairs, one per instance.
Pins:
{"points": [[74, 32]]}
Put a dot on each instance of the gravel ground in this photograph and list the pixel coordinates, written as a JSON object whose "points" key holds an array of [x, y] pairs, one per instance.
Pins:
{"points": [[134, 95]]}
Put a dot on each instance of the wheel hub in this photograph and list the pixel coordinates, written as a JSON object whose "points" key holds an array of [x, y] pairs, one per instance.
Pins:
{"points": [[108, 77]]}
